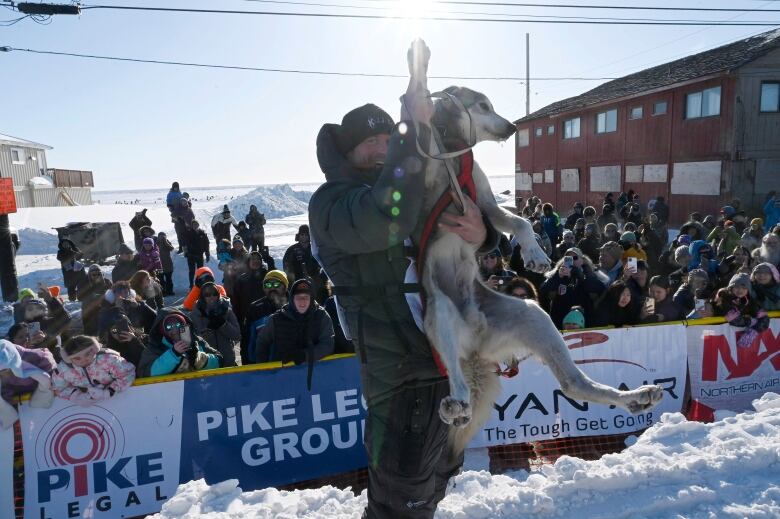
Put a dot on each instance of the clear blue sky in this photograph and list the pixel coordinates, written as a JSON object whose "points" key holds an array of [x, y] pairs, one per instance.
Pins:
{"points": [[142, 125]]}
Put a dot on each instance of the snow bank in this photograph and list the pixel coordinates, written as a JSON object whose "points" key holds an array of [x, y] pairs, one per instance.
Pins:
{"points": [[676, 469], [35, 241], [273, 201]]}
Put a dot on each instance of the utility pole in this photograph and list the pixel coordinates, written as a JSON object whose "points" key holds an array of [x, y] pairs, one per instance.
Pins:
{"points": [[527, 73]]}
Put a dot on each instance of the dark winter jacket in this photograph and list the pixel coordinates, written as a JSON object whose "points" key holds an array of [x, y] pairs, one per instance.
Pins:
{"points": [[247, 289], [140, 314], [196, 242], [558, 295], [257, 316], [54, 323], [359, 242], [91, 298], [124, 270], [666, 311], [130, 351], [289, 336], [219, 327], [166, 248]]}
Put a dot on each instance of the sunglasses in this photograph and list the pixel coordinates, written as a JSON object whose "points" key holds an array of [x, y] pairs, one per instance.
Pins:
{"points": [[171, 326], [272, 284], [573, 256]]}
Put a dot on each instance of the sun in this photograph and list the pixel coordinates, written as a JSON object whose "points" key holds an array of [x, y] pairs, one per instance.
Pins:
{"points": [[412, 8]]}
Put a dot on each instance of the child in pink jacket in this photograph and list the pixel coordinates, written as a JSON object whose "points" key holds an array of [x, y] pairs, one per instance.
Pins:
{"points": [[89, 374]]}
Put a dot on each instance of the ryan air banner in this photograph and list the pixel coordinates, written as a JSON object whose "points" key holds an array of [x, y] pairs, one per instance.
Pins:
{"points": [[116, 459], [265, 428], [725, 376], [532, 406]]}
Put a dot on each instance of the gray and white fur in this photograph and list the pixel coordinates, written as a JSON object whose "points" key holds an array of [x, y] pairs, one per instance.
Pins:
{"points": [[473, 327]]}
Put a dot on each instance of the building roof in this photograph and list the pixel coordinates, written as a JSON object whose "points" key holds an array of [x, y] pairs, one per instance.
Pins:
{"points": [[16, 141], [720, 59]]}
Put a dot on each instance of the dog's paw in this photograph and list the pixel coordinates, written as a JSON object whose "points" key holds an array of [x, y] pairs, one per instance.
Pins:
{"points": [[535, 258], [643, 398], [417, 58], [455, 412]]}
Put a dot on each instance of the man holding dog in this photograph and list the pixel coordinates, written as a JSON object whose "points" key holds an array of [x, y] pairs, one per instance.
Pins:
{"points": [[359, 220]]}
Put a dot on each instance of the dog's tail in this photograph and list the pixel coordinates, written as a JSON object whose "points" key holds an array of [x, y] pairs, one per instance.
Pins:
{"points": [[485, 387]]}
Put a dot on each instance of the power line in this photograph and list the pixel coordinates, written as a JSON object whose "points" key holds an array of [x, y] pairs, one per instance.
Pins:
{"points": [[289, 71], [585, 6], [552, 20], [480, 13]]}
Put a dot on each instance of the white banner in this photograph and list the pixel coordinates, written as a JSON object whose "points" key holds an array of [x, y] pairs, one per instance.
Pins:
{"points": [[724, 376], [532, 407], [116, 459], [7, 472]]}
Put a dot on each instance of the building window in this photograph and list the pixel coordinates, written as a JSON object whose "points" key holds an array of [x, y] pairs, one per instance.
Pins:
{"points": [[522, 138], [770, 97], [539, 131], [659, 108], [606, 122], [636, 112], [17, 156], [551, 129], [571, 128], [703, 104]]}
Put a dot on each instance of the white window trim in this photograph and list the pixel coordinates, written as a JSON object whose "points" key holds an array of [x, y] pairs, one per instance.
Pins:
{"points": [[21, 160], [641, 113]]}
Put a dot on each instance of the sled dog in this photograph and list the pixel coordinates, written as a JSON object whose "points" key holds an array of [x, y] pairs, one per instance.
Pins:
{"points": [[472, 327]]}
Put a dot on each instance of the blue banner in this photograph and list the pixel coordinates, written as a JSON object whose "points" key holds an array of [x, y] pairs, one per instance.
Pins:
{"points": [[267, 429]]}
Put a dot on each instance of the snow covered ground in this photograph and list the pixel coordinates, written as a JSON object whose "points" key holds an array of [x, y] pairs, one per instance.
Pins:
{"points": [[730, 468]]}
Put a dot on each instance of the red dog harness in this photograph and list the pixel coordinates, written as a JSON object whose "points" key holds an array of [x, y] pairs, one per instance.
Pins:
{"points": [[466, 183]]}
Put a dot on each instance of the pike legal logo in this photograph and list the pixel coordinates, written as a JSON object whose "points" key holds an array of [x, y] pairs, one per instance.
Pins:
{"points": [[766, 347], [80, 456]]}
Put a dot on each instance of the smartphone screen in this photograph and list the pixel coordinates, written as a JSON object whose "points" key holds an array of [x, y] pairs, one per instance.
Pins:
{"points": [[632, 264], [699, 304], [33, 328]]}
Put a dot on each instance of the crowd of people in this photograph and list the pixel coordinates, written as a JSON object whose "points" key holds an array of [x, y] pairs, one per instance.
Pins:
{"points": [[126, 330], [618, 268], [622, 267]]}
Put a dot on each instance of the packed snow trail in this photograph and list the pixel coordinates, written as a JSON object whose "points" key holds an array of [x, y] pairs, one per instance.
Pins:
{"points": [[730, 468]]}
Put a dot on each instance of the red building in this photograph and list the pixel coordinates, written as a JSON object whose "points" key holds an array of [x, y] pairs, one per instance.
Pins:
{"points": [[699, 131]]}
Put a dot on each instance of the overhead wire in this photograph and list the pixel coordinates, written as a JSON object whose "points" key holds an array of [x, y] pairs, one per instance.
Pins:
{"points": [[6, 48], [550, 20]]}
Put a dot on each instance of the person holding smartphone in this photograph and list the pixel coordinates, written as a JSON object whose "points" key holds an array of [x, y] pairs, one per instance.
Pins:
{"points": [[174, 348], [493, 271], [573, 281]]}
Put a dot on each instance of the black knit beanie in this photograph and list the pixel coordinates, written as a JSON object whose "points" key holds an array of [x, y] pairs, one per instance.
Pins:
{"points": [[362, 123]]}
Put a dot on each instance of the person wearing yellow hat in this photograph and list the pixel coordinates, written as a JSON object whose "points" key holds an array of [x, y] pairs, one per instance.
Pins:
{"points": [[275, 285]]}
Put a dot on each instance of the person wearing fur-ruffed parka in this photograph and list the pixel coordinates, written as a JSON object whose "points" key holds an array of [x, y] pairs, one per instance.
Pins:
{"points": [[89, 374]]}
